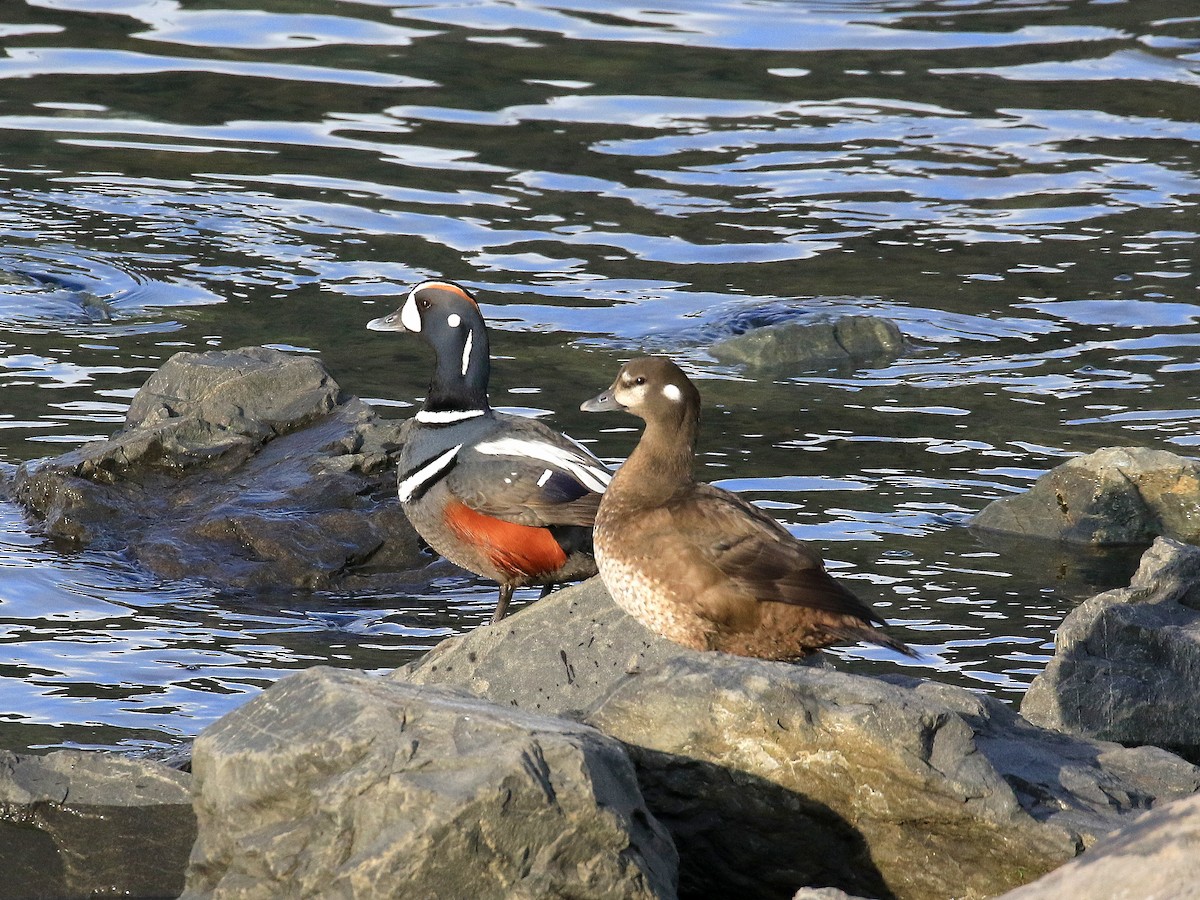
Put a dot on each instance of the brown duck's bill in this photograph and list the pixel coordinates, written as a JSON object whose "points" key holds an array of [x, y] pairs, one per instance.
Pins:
{"points": [[603, 402], [390, 322]]}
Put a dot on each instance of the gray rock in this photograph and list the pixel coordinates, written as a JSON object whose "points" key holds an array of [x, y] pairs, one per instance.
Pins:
{"points": [[816, 342], [1118, 495], [340, 784], [773, 776], [248, 395], [1126, 663], [1152, 857], [77, 824], [558, 657], [246, 468]]}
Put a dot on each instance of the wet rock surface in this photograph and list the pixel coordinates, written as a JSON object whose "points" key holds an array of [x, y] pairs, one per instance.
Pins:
{"points": [[1118, 495], [244, 468], [1126, 664], [334, 783], [76, 824], [1154, 856], [816, 342], [772, 777]]}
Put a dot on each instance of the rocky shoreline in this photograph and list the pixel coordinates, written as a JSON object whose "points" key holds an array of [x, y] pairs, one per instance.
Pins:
{"points": [[568, 751]]}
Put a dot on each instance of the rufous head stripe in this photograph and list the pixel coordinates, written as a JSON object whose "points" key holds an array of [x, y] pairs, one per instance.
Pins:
{"points": [[446, 286]]}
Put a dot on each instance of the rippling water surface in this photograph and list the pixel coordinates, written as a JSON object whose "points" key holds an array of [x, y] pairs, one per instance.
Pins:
{"points": [[1015, 183]]}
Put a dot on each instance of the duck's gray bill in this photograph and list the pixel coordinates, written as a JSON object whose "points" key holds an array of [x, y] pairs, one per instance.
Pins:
{"points": [[389, 322], [604, 402]]}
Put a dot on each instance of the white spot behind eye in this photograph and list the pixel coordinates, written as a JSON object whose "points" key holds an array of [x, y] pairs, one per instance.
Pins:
{"points": [[453, 320], [671, 392]]}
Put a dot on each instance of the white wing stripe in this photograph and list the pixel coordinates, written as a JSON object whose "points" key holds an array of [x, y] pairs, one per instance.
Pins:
{"points": [[426, 473], [588, 472]]}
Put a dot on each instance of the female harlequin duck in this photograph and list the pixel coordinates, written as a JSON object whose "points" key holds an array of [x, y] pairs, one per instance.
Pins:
{"points": [[698, 564], [503, 496]]}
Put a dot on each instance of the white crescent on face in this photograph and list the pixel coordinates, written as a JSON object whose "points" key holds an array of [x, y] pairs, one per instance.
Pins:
{"points": [[410, 316]]}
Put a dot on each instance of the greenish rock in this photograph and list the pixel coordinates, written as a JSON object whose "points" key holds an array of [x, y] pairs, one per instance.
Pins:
{"points": [[816, 343], [1117, 495], [1126, 663]]}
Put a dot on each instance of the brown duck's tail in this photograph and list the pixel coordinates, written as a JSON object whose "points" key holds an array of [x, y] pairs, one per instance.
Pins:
{"points": [[875, 636]]}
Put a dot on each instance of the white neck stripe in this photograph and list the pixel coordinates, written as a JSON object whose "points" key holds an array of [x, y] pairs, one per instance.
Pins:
{"points": [[445, 417], [466, 357], [425, 474]]}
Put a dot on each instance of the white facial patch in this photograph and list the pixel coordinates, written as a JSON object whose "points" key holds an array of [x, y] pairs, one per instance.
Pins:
{"points": [[672, 393], [410, 316], [466, 358], [453, 320], [588, 472]]}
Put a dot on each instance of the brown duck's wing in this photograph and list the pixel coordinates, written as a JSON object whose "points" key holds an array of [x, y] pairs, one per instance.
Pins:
{"points": [[758, 556]]}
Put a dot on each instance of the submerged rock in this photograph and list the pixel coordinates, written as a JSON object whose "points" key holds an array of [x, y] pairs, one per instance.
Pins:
{"points": [[1153, 856], [1126, 663], [76, 824], [246, 468], [773, 776], [1119, 495], [341, 784], [816, 342]]}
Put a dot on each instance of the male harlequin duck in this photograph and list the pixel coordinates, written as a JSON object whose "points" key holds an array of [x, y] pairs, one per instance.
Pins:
{"points": [[698, 564], [503, 496]]}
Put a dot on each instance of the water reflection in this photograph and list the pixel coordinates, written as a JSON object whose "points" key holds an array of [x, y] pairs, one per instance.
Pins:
{"points": [[1014, 183]]}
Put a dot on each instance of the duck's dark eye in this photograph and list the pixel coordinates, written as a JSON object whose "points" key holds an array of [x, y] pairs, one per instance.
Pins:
{"points": [[640, 380], [424, 304]]}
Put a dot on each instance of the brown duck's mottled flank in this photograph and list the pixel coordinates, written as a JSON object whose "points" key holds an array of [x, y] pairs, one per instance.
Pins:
{"points": [[698, 564]]}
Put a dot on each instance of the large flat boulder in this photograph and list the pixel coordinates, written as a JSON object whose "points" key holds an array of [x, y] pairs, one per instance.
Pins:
{"points": [[77, 824], [1118, 495], [559, 657], [1152, 857], [1126, 663], [246, 468], [773, 777], [340, 784]]}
